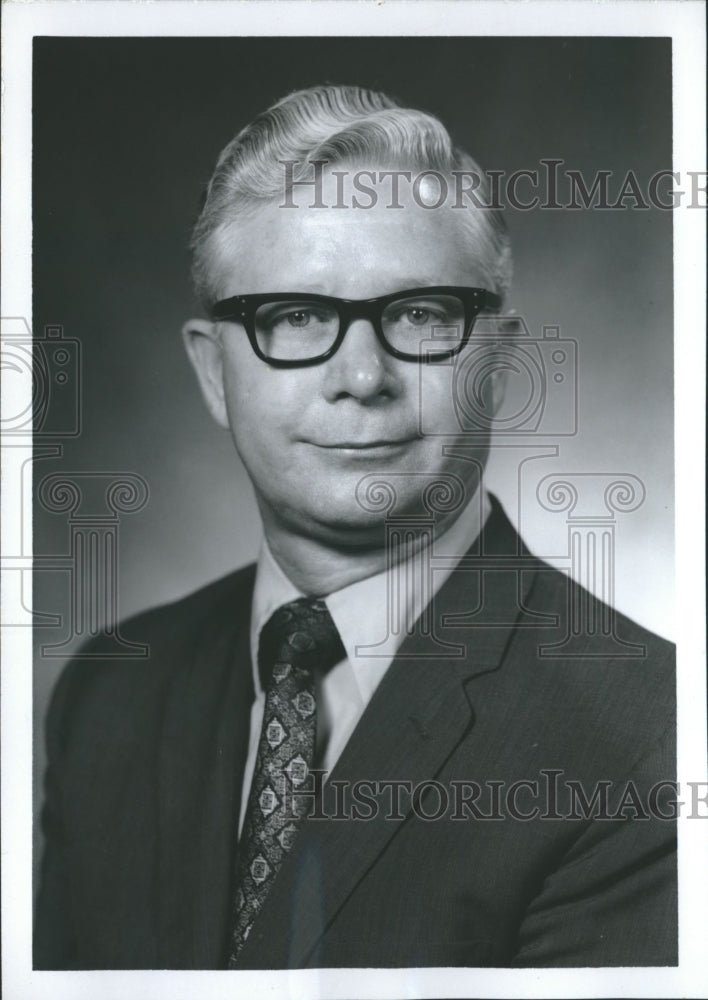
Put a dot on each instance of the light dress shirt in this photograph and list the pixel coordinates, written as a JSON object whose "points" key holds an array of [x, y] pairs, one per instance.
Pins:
{"points": [[371, 626]]}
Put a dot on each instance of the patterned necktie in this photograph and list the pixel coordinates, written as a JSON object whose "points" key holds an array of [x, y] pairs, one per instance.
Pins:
{"points": [[299, 639]]}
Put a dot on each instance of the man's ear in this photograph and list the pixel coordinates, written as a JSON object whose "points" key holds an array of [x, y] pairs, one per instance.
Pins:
{"points": [[498, 380], [201, 339], [495, 370]]}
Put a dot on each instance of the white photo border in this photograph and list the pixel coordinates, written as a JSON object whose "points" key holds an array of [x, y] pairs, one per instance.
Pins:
{"points": [[685, 23]]}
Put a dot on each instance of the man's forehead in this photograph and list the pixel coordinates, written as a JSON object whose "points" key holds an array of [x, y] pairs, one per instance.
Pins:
{"points": [[330, 250], [330, 214]]}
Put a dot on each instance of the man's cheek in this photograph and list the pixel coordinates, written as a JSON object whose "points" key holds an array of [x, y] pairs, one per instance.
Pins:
{"points": [[253, 410], [435, 408]]}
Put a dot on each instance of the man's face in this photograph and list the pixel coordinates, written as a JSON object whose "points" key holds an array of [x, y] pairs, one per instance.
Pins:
{"points": [[308, 436]]}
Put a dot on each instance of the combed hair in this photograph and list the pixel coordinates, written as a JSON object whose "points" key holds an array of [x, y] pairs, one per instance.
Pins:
{"points": [[337, 124]]}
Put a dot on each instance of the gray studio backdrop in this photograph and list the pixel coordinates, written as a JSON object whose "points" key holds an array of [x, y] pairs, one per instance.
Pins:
{"points": [[125, 134]]}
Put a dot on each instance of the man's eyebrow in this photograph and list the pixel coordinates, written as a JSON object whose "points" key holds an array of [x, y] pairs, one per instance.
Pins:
{"points": [[399, 285], [421, 281]]}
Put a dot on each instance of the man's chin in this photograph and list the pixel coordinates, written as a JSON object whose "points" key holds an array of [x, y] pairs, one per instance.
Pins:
{"points": [[356, 522], [349, 527], [337, 524]]}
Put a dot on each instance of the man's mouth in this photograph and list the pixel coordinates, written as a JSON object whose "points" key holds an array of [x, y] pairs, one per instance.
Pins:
{"points": [[374, 445]]}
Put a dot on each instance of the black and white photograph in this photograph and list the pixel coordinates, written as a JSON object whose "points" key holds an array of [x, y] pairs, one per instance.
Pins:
{"points": [[353, 429]]}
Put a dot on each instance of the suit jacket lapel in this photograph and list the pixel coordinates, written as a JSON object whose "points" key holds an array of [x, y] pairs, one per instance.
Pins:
{"points": [[417, 717], [202, 756]]}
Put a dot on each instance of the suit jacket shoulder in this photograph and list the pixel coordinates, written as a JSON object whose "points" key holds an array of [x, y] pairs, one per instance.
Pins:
{"points": [[611, 677], [172, 632]]}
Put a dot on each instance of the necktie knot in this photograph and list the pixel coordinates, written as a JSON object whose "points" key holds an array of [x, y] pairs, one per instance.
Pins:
{"points": [[301, 635]]}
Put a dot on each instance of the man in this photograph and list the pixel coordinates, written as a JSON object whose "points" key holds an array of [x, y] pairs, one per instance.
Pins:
{"points": [[345, 757]]}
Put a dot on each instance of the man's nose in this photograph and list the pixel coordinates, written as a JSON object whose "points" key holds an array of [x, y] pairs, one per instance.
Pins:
{"points": [[361, 368]]}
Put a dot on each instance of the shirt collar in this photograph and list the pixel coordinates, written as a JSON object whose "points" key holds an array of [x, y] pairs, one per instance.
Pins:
{"points": [[363, 611]]}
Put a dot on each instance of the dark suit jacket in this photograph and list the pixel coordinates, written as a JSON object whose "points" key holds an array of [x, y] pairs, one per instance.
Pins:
{"points": [[146, 761]]}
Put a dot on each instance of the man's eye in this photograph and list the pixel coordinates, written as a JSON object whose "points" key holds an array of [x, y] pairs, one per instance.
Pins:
{"points": [[299, 318], [417, 315]]}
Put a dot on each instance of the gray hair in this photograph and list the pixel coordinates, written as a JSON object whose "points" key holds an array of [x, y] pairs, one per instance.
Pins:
{"points": [[337, 123]]}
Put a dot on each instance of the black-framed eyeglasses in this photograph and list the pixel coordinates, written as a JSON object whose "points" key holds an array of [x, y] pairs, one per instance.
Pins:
{"points": [[295, 329]]}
